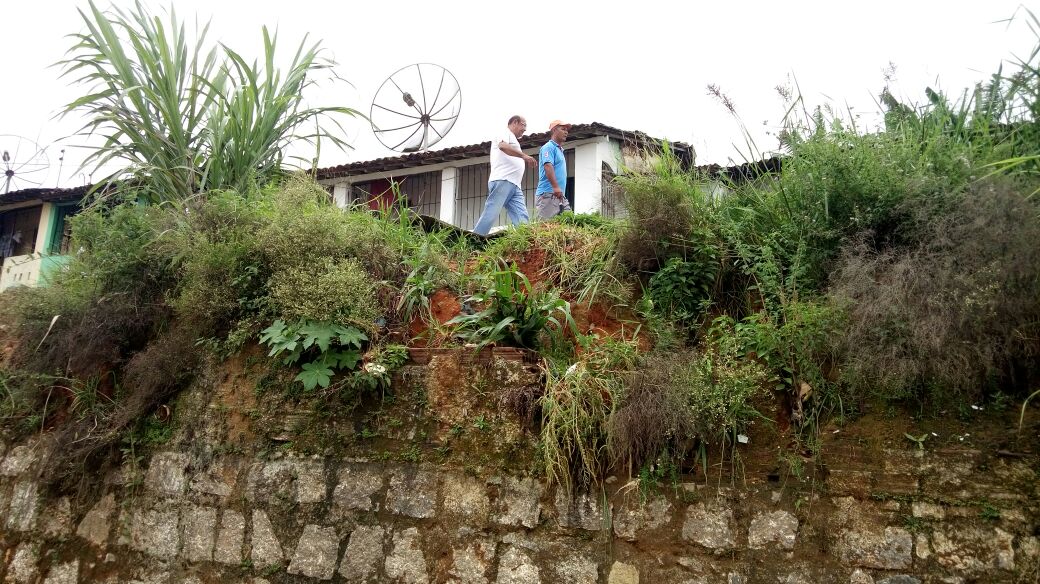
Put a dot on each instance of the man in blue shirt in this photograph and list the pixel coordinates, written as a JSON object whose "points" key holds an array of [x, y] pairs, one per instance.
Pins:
{"points": [[551, 197]]}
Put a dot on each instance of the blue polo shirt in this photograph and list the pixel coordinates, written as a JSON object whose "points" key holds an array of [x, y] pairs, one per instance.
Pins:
{"points": [[551, 153]]}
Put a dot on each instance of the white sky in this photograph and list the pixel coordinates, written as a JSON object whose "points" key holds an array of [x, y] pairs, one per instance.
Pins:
{"points": [[640, 65]]}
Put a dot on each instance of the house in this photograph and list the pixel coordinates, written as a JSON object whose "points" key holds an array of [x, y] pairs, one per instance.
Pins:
{"points": [[34, 233], [451, 184]]}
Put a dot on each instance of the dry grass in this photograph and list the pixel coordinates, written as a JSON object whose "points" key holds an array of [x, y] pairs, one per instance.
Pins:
{"points": [[951, 315]]}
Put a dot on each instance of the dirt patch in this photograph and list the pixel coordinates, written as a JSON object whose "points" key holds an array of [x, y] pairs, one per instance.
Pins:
{"points": [[444, 306], [450, 401], [532, 265], [619, 325], [235, 392]]}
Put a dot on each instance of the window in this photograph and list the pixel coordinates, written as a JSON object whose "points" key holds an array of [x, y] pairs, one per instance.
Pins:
{"points": [[18, 230]]}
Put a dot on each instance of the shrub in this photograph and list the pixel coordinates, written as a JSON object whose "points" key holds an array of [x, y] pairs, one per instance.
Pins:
{"points": [[675, 399], [224, 277], [664, 206], [119, 250], [106, 303], [684, 288], [325, 291], [306, 227], [953, 314]]}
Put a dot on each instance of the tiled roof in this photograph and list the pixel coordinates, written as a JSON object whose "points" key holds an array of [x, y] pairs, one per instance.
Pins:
{"points": [[578, 132], [743, 172], [45, 195]]}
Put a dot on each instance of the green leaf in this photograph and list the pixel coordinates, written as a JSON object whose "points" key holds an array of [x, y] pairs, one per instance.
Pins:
{"points": [[317, 334], [351, 337], [344, 359], [314, 375], [272, 332]]}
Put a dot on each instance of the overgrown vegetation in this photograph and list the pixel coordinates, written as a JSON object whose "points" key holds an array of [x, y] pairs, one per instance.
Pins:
{"points": [[897, 265]]}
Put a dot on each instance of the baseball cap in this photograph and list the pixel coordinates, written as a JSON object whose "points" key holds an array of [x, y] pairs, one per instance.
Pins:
{"points": [[555, 123]]}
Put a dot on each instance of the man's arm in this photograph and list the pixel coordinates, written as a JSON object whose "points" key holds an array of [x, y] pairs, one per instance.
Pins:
{"points": [[550, 175], [507, 149]]}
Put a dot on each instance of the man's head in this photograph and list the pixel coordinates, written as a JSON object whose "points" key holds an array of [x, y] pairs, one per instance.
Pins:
{"points": [[517, 125], [559, 131]]}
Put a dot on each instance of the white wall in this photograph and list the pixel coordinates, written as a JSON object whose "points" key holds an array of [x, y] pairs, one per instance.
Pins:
{"points": [[589, 156]]}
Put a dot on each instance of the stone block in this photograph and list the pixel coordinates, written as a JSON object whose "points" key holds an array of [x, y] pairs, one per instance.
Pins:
{"points": [[218, 479], [406, 562], [167, 473], [316, 552], [925, 510], [96, 524], [887, 549], [466, 499], [21, 514], [301, 481], [22, 569], [897, 484], [200, 527], [471, 564], [973, 551], [364, 552], [709, 526], [230, 538], [516, 567], [860, 577], [779, 527], [155, 532], [635, 517], [621, 573], [56, 520], [922, 546], [575, 569], [67, 573], [18, 460], [518, 502], [899, 579], [581, 510], [265, 550], [412, 493], [849, 482], [356, 486]]}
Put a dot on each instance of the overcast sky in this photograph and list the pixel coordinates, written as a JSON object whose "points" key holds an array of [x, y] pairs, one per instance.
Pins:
{"points": [[638, 65]]}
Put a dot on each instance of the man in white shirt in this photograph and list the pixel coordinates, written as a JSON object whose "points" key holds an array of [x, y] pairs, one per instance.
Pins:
{"points": [[507, 172]]}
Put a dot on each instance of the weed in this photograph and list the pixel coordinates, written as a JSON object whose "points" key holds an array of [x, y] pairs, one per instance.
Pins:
{"points": [[917, 440], [515, 313], [914, 524]]}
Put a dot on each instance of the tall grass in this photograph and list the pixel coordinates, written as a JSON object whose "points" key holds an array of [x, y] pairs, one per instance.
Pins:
{"points": [[181, 116]]}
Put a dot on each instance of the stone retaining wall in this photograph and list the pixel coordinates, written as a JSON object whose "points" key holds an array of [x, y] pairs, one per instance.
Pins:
{"points": [[935, 517], [227, 500]]}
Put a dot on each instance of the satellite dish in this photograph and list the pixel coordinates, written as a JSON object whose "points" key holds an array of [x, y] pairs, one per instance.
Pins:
{"points": [[415, 107], [23, 163]]}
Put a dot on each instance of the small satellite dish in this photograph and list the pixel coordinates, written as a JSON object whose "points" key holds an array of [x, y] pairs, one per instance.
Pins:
{"points": [[23, 163], [415, 107]]}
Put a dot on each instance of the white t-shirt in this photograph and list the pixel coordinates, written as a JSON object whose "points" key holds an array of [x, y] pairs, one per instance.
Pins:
{"points": [[504, 166]]}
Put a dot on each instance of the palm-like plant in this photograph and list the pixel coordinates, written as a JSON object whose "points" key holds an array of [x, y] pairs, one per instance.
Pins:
{"points": [[184, 118]]}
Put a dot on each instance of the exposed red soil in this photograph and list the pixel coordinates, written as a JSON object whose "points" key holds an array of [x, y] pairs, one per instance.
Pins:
{"points": [[532, 265], [605, 323], [444, 306]]}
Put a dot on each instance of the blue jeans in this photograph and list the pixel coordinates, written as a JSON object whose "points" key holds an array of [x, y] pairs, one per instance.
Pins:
{"points": [[502, 193]]}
